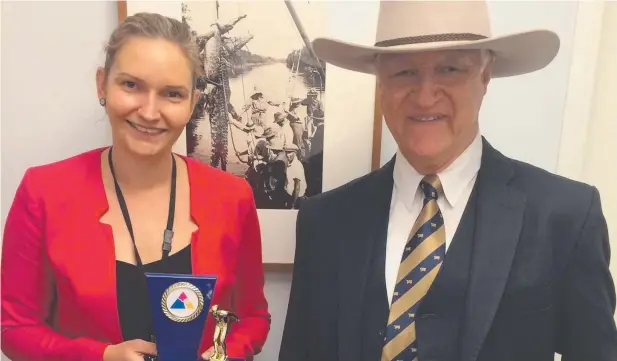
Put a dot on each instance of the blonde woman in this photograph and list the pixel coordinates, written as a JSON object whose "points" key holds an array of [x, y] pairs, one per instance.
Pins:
{"points": [[82, 231]]}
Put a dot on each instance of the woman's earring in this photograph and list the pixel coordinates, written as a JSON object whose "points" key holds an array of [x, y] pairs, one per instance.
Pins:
{"points": [[102, 102]]}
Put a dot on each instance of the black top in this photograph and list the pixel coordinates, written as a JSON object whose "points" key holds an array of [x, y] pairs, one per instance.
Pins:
{"points": [[133, 301]]}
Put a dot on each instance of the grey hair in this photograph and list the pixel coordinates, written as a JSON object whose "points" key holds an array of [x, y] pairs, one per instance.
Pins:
{"points": [[151, 25], [487, 58]]}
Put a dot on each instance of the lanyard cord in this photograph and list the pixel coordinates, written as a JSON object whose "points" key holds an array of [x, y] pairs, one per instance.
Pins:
{"points": [[168, 233]]}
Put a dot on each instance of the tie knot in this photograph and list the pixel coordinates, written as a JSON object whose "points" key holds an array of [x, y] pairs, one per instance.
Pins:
{"points": [[431, 186]]}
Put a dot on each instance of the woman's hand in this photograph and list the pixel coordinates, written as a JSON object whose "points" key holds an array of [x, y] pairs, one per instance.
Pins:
{"points": [[132, 350], [206, 355]]}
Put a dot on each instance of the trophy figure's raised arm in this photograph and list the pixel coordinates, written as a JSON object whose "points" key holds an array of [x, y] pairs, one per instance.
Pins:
{"points": [[223, 320]]}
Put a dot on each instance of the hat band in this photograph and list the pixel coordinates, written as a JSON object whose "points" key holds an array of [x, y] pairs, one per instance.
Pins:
{"points": [[430, 39]]}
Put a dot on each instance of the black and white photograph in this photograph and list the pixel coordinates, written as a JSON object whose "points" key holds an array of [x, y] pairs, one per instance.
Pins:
{"points": [[261, 112]]}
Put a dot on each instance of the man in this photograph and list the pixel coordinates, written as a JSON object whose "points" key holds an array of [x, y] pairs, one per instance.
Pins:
{"points": [[258, 106], [451, 251], [295, 184], [313, 163], [284, 129], [296, 125]]}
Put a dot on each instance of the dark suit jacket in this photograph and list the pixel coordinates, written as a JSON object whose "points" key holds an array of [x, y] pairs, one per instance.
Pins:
{"points": [[539, 281]]}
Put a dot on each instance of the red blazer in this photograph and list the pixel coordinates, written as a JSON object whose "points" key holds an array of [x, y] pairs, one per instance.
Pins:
{"points": [[58, 262]]}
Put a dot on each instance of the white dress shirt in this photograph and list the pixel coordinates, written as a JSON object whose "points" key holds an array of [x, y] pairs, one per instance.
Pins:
{"points": [[457, 181]]}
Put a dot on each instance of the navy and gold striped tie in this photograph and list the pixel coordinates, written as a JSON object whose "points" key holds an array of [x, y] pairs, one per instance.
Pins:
{"points": [[423, 256]]}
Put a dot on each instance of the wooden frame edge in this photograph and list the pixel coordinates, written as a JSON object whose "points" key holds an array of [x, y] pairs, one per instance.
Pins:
{"points": [[377, 132], [121, 10], [278, 267]]}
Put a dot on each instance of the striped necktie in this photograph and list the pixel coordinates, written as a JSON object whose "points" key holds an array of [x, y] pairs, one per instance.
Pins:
{"points": [[423, 256]]}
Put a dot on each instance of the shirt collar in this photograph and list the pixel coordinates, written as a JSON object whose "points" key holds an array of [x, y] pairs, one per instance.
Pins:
{"points": [[454, 179]]}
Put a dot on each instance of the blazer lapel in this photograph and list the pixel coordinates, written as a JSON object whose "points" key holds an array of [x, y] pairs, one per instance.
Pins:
{"points": [[102, 268], [499, 220], [370, 223]]}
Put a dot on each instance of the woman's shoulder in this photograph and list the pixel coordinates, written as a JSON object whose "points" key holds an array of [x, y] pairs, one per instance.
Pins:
{"points": [[66, 173], [78, 163]]}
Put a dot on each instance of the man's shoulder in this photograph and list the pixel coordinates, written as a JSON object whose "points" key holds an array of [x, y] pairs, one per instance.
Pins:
{"points": [[347, 193], [553, 193], [543, 182], [537, 184]]}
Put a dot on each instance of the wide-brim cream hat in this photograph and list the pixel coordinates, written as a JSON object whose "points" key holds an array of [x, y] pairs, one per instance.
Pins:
{"points": [[414, 26]]}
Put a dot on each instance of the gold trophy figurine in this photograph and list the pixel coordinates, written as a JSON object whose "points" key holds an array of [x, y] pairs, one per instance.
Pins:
{"points": [[223, 321]]}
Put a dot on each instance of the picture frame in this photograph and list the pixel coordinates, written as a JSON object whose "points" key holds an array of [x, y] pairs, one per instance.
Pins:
{"points": [[278, 241], [377, 133]]}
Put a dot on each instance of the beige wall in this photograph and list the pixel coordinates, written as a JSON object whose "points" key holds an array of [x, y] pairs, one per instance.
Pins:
{"points": [[588, 146], [600, 159], [599, 131]]}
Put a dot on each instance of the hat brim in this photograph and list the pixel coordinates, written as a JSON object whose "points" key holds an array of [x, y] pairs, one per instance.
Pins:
{"points": [[515, 54]]}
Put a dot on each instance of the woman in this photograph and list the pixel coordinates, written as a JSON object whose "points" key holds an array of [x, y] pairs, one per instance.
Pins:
{"points": [[82, 231]]}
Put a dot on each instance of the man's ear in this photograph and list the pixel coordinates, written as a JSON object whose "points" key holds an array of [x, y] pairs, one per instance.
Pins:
{"points": [[487, 72]]}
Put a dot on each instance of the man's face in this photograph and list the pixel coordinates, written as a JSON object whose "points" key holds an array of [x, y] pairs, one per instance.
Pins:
{"points": [[431, 102]]}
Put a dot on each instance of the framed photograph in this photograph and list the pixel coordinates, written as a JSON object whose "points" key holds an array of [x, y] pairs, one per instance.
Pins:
{"points": [[377, 134], [261, 114]]}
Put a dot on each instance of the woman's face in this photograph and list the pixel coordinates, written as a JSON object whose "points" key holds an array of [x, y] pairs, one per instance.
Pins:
{"points": [[149, 95]]}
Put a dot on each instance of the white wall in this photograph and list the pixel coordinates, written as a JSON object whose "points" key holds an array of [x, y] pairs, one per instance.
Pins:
{"points": [[50, 52], [50, 110]]}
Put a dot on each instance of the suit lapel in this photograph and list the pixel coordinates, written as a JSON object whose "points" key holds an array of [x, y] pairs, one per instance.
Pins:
{"points": [[499, 220], [369, 225]]}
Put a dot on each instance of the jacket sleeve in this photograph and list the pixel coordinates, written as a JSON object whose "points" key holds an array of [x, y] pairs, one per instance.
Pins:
{"points": [[586, 327], [247, 337], [296, 336], [28, 289]]}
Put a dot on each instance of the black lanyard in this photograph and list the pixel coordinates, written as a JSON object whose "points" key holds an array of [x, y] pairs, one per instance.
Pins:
{"points": [[168, 233]]}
